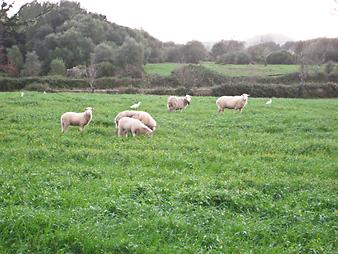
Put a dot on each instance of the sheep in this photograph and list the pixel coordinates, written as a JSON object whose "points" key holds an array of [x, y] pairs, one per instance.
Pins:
{"points": [[178, 103], [144, 117], [76, 119], [232, 102], [135, 126]]}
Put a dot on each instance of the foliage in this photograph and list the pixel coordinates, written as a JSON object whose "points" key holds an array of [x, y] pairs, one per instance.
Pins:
{"points": [[105, 52], [32, 66], [41, 87], [329, 67], [193, 52], [15, 57], [105, 69], [57, 67], [234, 58], [130, 53], [259, 52], [225, 47], [231, 183], [280, 57]]}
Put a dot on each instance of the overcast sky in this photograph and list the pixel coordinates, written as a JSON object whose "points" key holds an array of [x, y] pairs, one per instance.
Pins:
{"points": [[213, 20]]}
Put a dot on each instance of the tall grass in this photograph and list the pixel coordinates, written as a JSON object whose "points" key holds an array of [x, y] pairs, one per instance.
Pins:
{"points": [[263, 181]]}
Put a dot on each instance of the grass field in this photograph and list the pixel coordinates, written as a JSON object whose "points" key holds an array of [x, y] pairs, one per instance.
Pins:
{"points": [[263, 181], [230, 70]]}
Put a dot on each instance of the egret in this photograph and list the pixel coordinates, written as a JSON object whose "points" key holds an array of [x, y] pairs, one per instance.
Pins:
{"points": [[22, 94], [269, 101], [135, 106]]}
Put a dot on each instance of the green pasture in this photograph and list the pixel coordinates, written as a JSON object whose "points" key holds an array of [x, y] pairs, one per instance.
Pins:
{"points": [[263, 181], [229, 70]]}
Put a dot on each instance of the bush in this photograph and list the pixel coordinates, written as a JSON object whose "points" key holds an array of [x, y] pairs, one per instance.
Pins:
{"points": [[228, 58], [32, 66], [104, 69], [57, 67], [329, 67], [280, 57], [234, 58], [37, 87], [242, 58]]}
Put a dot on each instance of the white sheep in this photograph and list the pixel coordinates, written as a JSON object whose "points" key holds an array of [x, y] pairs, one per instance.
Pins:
{"points": [[135, 126], [232, 102], [143, 116], [76, 119], [178, 103]]}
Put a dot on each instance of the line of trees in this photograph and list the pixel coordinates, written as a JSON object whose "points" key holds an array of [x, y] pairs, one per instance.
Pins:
{"points": [[47, 38]]}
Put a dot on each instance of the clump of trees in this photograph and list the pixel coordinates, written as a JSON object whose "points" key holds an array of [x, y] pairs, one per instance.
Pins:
{"points": [[53, 38]]}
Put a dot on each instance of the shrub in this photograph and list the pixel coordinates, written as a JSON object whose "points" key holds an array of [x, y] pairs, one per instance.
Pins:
{"points": [[32, 66], [37, 87], [234, 58], [104, 69], [329, 67], [228, 58], [57, 67], [280, 57], [15, 57], [242, 58]]}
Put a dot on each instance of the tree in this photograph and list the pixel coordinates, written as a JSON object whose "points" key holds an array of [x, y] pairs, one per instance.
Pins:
{"points": [[194, 51], [15, 57], [223, 47], [130, 53], [32, 66], [259, 52], [91, 74], [12, 27], [57, 67], [105, 53], [280, 57]]}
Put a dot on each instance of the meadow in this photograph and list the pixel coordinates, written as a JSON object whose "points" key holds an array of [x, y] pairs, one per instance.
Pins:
{"points": [[263, 181], [228, 70]]}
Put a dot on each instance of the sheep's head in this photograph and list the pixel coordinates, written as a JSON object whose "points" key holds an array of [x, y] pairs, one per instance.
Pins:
{"points": [[145, 130], [188, 98], [89, 109], [245, 96]]}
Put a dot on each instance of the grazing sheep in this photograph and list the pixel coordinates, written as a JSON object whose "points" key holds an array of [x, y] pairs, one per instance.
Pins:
{"points": [[178, 103], [232, 102], [144, 117], [76, 119], [135, 126]]}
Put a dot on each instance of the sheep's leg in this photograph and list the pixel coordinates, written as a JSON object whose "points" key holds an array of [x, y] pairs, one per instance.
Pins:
{"points": [[64, 128], [119, 132], [81, 128]]}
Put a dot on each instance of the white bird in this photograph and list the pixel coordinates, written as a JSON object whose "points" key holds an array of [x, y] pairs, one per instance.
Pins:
{"points": [[44, 92], [22, 94], [269, 101], [135, 106]]}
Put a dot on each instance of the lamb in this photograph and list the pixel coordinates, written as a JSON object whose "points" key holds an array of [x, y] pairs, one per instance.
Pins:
{"points": [[178, 103], [232, 102], [135, 126], [76, 119], [143, 116]]}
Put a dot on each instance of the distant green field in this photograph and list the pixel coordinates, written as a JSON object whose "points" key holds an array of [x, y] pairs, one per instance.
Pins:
{"points": [[163, 69], [236, 70], [263, 181], [231, 70]]}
